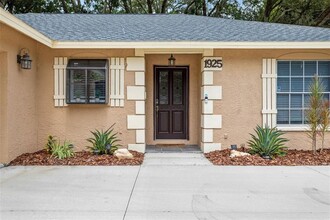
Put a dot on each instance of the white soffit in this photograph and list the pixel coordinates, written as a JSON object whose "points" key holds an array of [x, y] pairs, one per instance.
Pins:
{"points": [[193, 45]]}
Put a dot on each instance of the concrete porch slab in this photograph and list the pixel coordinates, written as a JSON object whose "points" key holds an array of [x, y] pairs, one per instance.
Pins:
{"points": [[176, 159]]}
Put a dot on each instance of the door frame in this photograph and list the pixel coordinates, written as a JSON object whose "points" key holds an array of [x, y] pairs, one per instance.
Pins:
{"points": [[186, 67]]}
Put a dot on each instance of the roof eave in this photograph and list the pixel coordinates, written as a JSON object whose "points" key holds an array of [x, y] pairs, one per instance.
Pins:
{"points": [[22, 27]]}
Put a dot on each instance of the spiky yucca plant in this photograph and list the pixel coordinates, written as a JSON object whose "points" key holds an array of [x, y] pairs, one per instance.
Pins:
{"points": [[267, 142], [104, 142], [313, 115]]}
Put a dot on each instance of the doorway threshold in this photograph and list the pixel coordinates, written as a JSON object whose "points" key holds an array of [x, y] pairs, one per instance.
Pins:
{"points": [[173, 148]]}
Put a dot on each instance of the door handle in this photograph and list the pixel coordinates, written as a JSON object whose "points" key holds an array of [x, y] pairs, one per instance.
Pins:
{"points": [[156, 108]]}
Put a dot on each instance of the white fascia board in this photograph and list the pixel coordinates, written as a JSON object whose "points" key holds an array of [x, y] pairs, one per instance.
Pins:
{"points": [[22, 27], [191, 45]]}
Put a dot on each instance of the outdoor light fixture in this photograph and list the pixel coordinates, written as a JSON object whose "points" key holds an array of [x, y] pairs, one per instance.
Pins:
{"points": [[24, 59], [171, 60]]}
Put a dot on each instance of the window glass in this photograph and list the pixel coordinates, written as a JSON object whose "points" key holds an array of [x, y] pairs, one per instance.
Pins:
{"points": [[296, 101], [283, 117], [283, 68], [296, 68], [306, 100], [283, 85], [324, 69], [87, 81], [177, 88], [307, 84], [282, 100], [78, 88], [296, 117], [297, 84], [310, 68], [96, 86], [326, 83], [294, 79], [87, 63], [163, 88]]}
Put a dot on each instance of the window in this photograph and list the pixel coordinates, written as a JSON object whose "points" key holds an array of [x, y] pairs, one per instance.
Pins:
{"points": [[87, 82], [293, 81]]}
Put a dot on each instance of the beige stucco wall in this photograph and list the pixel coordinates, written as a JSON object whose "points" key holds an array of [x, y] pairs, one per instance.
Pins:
{"points": [[3, 107], [28, 114], [242, 93], [75, 122], [18, 96], [193, 61]]}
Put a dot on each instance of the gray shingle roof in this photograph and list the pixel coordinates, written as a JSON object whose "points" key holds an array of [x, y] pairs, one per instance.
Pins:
{"points": [[123, 27]]}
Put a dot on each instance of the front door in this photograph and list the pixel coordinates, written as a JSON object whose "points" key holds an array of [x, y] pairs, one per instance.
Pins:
{"points": [[171, 102]]}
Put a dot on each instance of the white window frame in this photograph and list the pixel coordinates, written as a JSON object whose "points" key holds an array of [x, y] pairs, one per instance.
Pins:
{"points": [[295, 127], [70, 89]]}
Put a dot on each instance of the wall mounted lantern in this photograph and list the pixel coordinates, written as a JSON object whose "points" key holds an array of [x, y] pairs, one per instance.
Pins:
{"points": [[171, 60], [23, 58]]}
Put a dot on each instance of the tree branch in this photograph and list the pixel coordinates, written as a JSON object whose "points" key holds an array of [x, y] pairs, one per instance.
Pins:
{"points": [[164, 6], [149, 4], [304, 9], [188, 7], [323, 17], [64, 6], [127, 9]]}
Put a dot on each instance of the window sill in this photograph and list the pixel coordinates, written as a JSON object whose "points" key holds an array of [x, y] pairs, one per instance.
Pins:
{"points": [[293, 128]]}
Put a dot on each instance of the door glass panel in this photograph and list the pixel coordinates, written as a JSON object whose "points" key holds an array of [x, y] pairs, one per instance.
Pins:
{"points": [[163, 88], [177, 88]]}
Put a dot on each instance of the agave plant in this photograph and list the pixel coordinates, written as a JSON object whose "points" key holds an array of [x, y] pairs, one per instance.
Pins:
{"points": [[104, 142], [268, 142]]}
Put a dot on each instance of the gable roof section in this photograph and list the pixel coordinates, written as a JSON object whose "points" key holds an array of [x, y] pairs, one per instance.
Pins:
{"points": [[22, 27], [169, 28]]}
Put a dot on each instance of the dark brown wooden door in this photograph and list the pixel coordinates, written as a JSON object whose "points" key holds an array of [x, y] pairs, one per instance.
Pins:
{"points": [[171, 103]]}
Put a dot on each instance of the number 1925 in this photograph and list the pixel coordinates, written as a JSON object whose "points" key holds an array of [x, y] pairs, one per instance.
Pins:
{"points": [[213, 63]]}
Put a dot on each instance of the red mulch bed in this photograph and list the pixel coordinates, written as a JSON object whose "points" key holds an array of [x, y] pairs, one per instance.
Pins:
{"points": [[293, 158], [82, 158]]}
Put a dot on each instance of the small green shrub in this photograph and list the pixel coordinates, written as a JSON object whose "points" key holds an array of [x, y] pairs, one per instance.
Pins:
{"points": [[58, 150], [268, 142], [104, 142], [51, 141]]}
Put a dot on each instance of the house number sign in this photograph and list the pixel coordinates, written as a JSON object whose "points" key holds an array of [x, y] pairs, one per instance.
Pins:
{"points": [[212, 63]]}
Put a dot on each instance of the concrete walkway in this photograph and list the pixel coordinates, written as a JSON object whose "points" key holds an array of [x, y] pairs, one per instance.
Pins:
{"points": [[170, 189]]}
